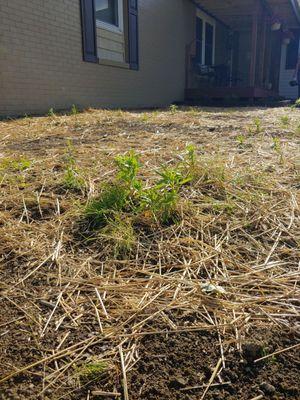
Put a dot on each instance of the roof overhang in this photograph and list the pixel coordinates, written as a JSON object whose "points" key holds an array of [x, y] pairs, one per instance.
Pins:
{"points": [[237, 14]]}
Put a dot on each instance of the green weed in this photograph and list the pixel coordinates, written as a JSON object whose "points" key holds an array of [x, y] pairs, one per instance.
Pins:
{"points": [[145, 117], [297, 104], [172, 178], [191, 157], [15, 164], [162, 204], [121, 195], [194, 111], [73, 179], [285, 120], [173, 108], [113, 199], [129, 166], [127, 195], [74, 110], [257, 126], [119, 113], [51, 113], [277, 145], [241, 139]]}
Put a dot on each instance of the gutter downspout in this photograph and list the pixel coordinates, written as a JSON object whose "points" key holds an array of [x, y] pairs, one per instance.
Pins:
{"points": [[296, 7]]}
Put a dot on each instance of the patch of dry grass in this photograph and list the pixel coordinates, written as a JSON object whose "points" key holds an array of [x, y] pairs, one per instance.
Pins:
{"points": [[230, 263]]}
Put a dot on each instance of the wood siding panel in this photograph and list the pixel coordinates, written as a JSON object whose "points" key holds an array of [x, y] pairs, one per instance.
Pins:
{"points": [[111, 45]]}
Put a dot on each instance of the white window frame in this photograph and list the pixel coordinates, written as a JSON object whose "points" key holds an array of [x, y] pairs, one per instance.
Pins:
{"points": [[207, 19], [114, 28]]}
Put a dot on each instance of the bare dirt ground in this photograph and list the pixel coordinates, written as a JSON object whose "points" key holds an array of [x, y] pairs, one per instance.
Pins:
{"points": [[204, 308]]}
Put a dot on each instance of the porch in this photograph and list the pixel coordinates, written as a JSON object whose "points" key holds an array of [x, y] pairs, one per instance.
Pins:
{"points": [[236, 50]]}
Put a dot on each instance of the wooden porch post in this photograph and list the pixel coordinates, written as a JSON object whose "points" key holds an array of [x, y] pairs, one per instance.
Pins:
{"points": [[254, 43]]}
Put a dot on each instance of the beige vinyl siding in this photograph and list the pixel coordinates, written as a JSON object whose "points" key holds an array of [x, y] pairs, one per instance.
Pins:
{"points": [[111, 45], [41, 62]]}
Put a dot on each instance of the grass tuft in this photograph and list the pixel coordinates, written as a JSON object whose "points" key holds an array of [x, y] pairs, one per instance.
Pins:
{"points": [[92, 371], [73, 179]]}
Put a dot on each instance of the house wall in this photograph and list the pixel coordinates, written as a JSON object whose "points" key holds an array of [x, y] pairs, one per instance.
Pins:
{"points": [[286, 76], [41, 58]]}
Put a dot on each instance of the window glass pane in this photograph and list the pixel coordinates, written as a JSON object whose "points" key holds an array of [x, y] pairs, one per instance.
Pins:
{"points": [[209, 43], [292, 52], [199, 40], [107, 11]]}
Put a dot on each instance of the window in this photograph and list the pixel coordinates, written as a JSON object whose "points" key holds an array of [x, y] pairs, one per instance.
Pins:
{"points": [[119, 47], [199, 40], [205, 39], [292, 52], [109, 14], [209, 43]]}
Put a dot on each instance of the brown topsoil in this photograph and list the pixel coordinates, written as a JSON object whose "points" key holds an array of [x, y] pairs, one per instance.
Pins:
{"points": [[170, 365]]}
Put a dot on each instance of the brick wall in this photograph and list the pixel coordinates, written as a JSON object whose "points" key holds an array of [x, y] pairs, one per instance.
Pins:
{"points": [[41, 58]]}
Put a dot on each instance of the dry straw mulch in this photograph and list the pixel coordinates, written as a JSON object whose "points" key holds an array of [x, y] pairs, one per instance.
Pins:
{"points": [[230, 265]]}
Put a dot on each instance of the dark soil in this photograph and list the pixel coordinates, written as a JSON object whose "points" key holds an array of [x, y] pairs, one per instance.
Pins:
{"points": [[170, 364]]}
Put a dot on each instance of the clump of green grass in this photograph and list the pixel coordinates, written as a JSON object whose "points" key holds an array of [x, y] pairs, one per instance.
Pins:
{"points": [[227, 205], [92, 371], [74, 109], [278, 148], [72, 179], [145, 117], [297, 104], [257, 126], [212, 172], [173, 108], [113, 199], [119, 231], [277, 145], [119, 113], [51, 112], [18, 164], [15, 170], [194, 111], [241, 139], [285, 120], [120, 195]]}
